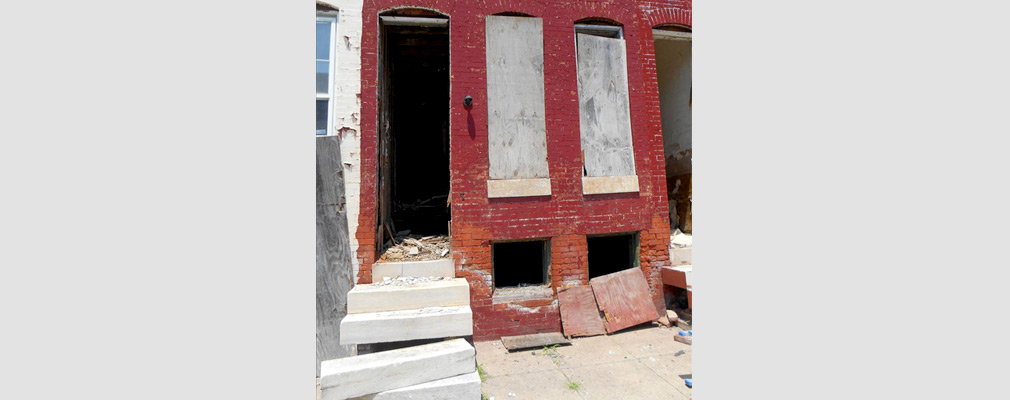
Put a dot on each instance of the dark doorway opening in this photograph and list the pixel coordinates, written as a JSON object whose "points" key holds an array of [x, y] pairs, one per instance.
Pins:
{"points": [[414, 128], [673, 76], [520, 263], [612, 253]]}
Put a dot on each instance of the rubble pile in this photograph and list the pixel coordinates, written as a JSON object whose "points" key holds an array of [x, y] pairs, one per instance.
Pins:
{"points": [[409, 247]]}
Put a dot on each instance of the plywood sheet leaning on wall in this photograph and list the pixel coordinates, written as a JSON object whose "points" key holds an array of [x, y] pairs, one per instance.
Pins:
{"points": [[517, 133], [604, 112], [624, 299], [579, 314]]}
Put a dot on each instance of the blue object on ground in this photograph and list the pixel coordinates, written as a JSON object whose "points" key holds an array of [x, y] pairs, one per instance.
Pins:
{"points": [[688, 383], [682, 333], [690, 333]]}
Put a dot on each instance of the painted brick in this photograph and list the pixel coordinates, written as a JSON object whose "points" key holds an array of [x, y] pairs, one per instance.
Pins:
{"points": [[566, 216]]}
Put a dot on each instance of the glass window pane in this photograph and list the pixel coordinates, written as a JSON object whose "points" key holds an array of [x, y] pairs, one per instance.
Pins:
{"points": [[322, 77], [322, 40], [322, 108]]}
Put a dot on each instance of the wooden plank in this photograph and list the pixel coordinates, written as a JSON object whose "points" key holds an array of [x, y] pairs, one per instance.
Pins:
{"points": [[398, 326], [517, 130], [682, 339], [609, 184], [393, 369], [373, 298], [579, 314], [518, 187], [334, 276], [624, 299], [604, 111], [535, 340]]}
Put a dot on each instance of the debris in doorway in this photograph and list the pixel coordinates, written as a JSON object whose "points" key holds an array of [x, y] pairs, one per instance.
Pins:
{"points": [[416, 248]]}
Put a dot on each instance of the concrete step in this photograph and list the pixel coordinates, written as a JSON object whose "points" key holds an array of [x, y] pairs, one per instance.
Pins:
{"points": [[680, 255], [350, 377], [443, 267], [463, 387], [678, 276], [371, 298], [395, 326]]}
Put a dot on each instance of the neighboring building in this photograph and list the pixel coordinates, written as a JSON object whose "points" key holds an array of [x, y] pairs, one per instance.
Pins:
{"points": [[537, 135]]}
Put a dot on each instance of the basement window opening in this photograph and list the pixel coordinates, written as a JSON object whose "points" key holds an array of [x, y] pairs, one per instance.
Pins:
{"points": [[612, 253], [520, 264]]}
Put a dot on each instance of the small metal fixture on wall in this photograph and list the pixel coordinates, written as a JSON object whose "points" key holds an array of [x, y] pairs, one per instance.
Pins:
{"points": [[467, 101]]}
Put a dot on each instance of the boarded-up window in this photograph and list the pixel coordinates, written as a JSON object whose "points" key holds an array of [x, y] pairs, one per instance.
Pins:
{"points": [[517, 135], [604, 112]]}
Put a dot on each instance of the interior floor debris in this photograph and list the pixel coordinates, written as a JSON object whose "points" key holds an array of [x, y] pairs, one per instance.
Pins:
{"points": [[416, 248]]}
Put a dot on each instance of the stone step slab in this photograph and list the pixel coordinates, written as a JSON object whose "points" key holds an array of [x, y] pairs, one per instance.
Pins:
{"points": [[677, 276], [462, 387], [395, 326], [443, 267], [350, 377], [372, 298]]}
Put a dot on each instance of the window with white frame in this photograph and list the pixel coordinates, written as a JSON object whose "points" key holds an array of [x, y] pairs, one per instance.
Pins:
{"points": [[326, 27]]}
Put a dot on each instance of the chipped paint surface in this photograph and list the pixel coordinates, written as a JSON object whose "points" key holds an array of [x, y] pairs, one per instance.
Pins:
{"points": [[347, 107]]}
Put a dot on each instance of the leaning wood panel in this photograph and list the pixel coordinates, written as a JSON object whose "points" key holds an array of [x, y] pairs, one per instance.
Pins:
{"points": [[624, 299], [333, 252], [604, 112], [579, 314], [517, 134]]}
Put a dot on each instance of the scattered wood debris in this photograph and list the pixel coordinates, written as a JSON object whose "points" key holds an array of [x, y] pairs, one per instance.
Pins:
{"points": [[407, 247], [680, 239]]}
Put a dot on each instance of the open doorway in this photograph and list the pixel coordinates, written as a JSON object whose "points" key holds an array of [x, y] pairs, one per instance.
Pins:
{"points": [[673, 73], [413, 127]]}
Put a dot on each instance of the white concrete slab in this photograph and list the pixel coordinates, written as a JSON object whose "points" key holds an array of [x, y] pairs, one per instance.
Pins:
{"points": [[678, 276], [680, 255], [372, 298], [395, 326], [518, 187], [349, 377], [443, 267], [463, 387]]}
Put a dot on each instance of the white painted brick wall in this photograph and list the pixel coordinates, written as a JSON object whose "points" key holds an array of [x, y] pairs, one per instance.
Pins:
{"points": [[347, 109]]}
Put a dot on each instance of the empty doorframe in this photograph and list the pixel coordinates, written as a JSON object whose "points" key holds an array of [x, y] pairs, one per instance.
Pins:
{"points": [[413, 92], [673, 73]]}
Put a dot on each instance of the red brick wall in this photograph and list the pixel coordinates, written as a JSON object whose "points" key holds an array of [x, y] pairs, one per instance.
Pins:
{"points": [[567, 215]]}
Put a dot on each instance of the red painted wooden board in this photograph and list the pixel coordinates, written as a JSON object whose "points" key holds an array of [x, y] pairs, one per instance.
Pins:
{"points": [[624, 299], [579, 314]]}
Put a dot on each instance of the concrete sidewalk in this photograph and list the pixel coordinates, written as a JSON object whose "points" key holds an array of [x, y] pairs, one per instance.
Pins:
{"points": [[637, 363]]}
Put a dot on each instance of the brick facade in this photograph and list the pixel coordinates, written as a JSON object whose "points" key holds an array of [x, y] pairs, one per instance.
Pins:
{"points": [[565, 217]]}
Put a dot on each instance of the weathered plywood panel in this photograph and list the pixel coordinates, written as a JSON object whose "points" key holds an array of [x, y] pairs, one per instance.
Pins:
{"points": [[517, 133], [334, 276], [604, 111], [579, 313], [624, 299]]}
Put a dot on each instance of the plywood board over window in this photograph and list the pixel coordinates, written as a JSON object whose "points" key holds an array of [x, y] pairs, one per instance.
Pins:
{"points": [[517, 134], [605, 116]]}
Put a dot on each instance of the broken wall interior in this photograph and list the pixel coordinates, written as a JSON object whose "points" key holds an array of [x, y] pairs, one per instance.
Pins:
{"points": [[414, 126], [673, 70]]}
